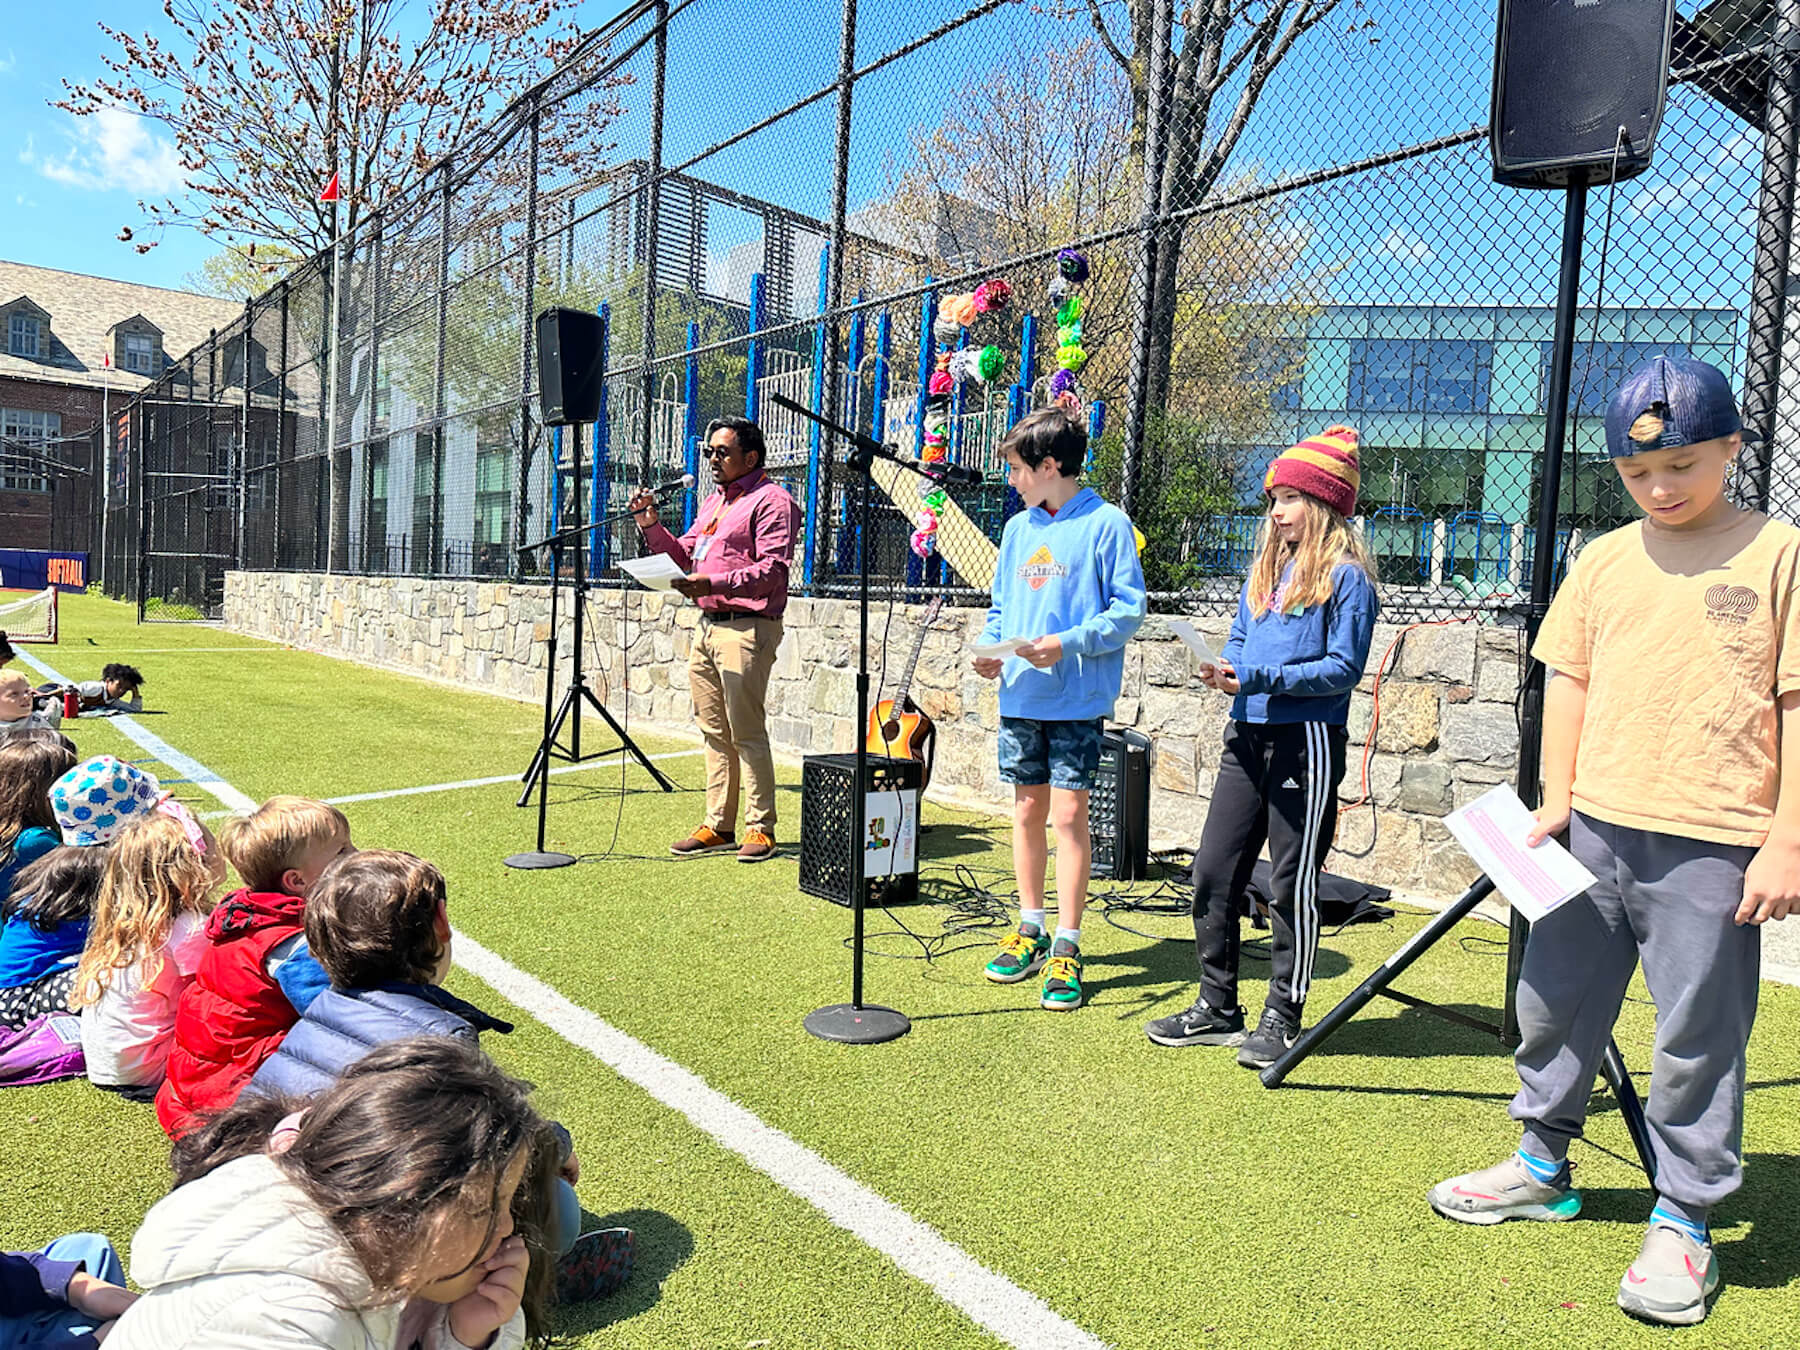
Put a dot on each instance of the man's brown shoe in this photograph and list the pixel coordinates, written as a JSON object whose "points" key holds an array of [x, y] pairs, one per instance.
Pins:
{"points": [[702, 840], [759, 846]]}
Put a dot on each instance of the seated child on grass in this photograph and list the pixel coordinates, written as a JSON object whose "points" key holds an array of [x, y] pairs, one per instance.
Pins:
{"points": [[27, 824], [19, 709], [146, 939], [63, 1297], [234, 1013], [44, 922], [392, 1211], [379, 925]]}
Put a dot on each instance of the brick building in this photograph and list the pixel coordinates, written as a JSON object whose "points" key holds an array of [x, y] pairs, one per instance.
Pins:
{"points": [[70, 345]]}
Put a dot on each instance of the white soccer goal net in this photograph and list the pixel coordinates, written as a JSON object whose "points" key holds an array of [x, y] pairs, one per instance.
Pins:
{"points": [[29, 618]]}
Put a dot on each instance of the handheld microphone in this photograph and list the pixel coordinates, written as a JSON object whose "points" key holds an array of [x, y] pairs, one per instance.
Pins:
{"points": [[687, 480]]}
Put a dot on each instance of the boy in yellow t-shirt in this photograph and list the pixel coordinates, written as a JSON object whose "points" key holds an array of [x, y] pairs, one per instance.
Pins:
{"points": [[1675, 644]]}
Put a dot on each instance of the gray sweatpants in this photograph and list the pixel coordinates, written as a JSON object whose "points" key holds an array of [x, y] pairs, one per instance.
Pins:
{"points": [[1670, 902]]}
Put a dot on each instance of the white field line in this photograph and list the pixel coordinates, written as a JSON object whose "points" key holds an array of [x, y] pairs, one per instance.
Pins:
{"points": [[1010, 1314], [499, 778]]}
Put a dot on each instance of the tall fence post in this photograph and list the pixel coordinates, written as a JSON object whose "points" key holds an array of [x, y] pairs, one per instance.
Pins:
{"points": [[1774, 239], [281, 436], [753, 356], [1143, 353], [816, 400], [530, 437], [600, 470], [690, 423], [652, 217], [241, 477], [440, 375]]}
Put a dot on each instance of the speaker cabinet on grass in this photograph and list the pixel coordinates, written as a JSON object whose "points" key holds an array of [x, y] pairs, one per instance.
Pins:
{"points": [[571, 353], [888, 834], [1568, 74], [1119, 807]]}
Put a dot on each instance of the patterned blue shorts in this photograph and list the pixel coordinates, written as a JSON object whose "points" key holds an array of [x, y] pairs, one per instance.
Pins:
{"points": [[1062, 754]]}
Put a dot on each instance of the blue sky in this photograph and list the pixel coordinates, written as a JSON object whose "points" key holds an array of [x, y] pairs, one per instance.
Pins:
{"points": [[1434, 232]]}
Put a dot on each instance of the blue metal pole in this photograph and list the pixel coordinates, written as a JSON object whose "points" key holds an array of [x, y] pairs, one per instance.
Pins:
{"points": [[690, 430], [602, 454], [1096, 428], [815, 436], [556, 478], [753, 367], [1021, 392]]}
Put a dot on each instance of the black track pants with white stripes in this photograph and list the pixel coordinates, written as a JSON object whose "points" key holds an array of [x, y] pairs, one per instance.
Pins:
{"points": [[1279, 783]]}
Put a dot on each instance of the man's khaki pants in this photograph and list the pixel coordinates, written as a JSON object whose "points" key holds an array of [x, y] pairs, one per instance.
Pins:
{"points": [[728, 675]]}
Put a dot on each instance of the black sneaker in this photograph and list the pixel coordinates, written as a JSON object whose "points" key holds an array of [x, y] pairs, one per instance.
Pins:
{"points": [[1269, 1042], [1201, 1024]]}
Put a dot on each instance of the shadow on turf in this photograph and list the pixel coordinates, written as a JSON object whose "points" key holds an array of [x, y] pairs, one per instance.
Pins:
{"points": [[664, 1245]]}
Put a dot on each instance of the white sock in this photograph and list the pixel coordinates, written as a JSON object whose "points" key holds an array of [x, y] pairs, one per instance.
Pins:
{"points": [[1072, 934], [1032, 916]]}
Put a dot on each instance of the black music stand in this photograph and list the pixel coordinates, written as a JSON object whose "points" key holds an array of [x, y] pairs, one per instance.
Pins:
{"points": [[578, 695]]}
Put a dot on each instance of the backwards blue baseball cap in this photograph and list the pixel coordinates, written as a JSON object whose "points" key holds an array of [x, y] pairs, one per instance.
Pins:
{"points": [[1694, 401]]}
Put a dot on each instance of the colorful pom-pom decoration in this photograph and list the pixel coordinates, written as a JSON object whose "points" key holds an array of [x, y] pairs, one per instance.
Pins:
{"points": [[941, 382], [1069, 311], [946, 330], [992, 296], [1071, 357], [922, 543], [935, 496], [1062, 382], [1070, 402], [1069, 334], [934, 451], [961, 308], [990, 361], [1060, 287], [1072, 264]]}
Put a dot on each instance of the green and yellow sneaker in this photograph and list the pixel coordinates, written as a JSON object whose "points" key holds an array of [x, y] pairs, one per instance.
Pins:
{"points": [[1062, 978], [1020, 955]]}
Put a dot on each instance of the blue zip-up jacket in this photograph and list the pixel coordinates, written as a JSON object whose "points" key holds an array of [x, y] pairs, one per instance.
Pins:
{"points": [[340, 1026], [1301, 666], [1076, 575]]}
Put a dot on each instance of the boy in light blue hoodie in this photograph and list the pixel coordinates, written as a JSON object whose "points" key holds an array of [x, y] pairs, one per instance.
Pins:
{"points": [[1069, 587]]}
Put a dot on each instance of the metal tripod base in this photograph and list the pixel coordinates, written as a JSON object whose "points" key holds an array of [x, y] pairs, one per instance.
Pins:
{"points": [[537, 861], [867, 1025], [1612, 1064], [576, 695]]}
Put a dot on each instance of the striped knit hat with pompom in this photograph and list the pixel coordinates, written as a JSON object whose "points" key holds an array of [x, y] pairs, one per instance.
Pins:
{"points": [[1322, 466]]}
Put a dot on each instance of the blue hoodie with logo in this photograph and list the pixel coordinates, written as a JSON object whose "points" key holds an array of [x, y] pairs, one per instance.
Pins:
{"points": [[1074, 575]]}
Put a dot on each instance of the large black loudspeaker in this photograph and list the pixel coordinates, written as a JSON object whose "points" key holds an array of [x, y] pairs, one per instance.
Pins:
{"points": [[830, 834], [569, 343], [1119, 807], [1567, 75]]}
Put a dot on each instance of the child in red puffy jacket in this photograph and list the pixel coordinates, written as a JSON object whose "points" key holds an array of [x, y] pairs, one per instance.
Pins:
{"points": [[235, 1012]]}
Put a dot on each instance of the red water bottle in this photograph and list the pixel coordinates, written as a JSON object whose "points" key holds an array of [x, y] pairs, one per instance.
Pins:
{"points": [[71, 703]]}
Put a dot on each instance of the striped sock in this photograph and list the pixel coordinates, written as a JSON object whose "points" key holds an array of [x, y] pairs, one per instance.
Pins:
{"points": [[1541, 1169], [1696, 1231]]}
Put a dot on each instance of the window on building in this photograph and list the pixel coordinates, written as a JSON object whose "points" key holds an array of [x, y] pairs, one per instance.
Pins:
{"points": [[1422, 375], [24, 335], [1278, 363], [1592, 378], [23, 439], [427, 506], [493, 494], [140, 353]]}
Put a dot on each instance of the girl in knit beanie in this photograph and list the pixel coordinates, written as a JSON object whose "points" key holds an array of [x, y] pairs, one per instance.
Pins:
{"points": [[1297, 648]]}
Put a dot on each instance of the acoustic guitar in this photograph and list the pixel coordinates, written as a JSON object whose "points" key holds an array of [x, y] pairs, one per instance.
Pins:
{"points": [[897, 728]]}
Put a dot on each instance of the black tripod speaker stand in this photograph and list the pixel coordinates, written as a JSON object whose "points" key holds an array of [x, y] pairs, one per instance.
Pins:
{"points": [[857, 1022], [1531, 724], [577, 698]]}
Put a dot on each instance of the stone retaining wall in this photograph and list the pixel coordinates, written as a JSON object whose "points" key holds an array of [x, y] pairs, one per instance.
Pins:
{"points": [[1446, 731]]}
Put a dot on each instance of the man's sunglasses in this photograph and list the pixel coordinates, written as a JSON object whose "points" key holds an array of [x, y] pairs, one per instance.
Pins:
{"points": [[716, 451]]}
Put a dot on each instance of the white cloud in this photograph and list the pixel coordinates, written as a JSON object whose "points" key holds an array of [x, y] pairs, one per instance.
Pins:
{"points": [[111, 149], [7, 62], [1741, 147], [1668, 196], [1402, 244]]}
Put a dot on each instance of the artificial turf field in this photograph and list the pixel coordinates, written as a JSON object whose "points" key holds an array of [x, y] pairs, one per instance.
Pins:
{"points": [[1151, 1197]]}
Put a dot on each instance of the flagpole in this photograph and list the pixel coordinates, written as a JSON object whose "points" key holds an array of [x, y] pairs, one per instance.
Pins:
{"points": [[332, 373]]}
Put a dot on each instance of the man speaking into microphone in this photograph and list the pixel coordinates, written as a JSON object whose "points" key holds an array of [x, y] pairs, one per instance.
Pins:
{"points": [[736, 554]]}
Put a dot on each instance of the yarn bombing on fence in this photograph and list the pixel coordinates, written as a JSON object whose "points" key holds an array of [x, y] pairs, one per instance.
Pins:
{"points": [[980, 365]]}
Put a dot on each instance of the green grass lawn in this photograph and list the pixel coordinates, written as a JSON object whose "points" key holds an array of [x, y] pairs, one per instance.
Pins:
{"points": [[1158, 1198]]}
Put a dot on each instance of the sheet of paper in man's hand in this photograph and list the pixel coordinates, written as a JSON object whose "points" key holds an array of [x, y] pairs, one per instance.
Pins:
{"points": [[1492, 831], [998, 651], [658, 571], [1191, 635]]}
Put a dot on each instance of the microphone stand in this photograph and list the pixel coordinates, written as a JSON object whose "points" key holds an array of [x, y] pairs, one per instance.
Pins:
{"points": [[856, 1022]]}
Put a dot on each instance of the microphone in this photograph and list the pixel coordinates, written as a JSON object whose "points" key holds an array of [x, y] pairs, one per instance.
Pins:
{"points": [[947, 472], [687, 480]]}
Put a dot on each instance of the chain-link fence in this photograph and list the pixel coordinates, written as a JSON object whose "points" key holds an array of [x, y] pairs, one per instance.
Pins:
{"points": [[1283, 217]]}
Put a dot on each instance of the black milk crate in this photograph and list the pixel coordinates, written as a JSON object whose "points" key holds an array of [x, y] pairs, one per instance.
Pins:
{"points": [[828, 831], [1119, 807]]}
